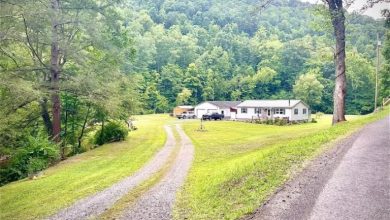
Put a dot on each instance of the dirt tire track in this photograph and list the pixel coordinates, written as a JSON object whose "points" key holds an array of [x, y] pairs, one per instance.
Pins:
{"points": [[97, 203], [158, 202]]}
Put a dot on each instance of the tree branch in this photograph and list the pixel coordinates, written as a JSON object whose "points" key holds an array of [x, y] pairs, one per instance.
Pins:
{"points": [[29, 43]]}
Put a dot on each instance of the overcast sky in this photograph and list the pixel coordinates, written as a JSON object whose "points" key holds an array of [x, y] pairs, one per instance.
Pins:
{"points": [[374, 12]]}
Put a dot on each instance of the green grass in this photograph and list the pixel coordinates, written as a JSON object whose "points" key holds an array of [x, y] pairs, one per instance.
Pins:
{"points": [[238, 165], [84, 174]]}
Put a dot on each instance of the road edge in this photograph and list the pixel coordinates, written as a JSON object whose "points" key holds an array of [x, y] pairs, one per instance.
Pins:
{"points": [[294, 199]]}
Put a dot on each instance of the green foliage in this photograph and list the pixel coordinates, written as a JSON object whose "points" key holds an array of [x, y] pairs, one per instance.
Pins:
{"points": [[222, 52], [384, 75], [183, 97], [308, 88], [37, 155], [94, 64], [360, 84], [113, 131]]}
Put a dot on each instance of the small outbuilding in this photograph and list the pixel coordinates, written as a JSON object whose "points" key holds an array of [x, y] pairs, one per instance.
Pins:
{"points": [[227, 108], [181, 109], [293, 110]]}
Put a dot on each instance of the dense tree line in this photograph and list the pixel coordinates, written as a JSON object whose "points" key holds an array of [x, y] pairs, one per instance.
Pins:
{"points": [[68, 67], [226, 50]]}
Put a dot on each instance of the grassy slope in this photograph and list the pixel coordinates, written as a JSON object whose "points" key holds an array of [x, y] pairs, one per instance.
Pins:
{"points": [[84, 174], [238, 165]]}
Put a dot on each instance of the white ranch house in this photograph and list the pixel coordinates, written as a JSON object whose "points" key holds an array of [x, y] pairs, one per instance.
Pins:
{"points": [[293, 110], [227, 108]]}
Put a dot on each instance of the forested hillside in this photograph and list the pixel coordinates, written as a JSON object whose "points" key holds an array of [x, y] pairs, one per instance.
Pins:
{"points": [[190, 51], [73, 71]]}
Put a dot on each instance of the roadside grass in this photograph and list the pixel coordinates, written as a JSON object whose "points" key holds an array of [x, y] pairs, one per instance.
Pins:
{"points": [[84, 174], [239, 165]]}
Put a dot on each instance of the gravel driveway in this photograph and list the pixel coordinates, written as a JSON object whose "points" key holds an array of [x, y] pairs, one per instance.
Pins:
{"points": [[96, 204], [158, 202]]}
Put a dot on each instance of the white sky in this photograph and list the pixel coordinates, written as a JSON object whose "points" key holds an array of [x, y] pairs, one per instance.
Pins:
{"points": [[374, 12]]}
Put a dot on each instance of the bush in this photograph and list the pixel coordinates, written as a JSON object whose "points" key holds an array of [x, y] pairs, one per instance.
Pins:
{"points": [[37, 155], [112, 132], [313, 120]]}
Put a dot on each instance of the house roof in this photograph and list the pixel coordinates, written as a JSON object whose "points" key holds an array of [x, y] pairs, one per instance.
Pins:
{"points": [[270, 103], [225, 104], [185, 106]]}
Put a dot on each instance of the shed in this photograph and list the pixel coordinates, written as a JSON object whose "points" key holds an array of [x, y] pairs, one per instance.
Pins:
{"points": [[182, 108]]}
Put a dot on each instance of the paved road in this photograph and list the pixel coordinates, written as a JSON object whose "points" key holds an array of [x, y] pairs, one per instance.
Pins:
{"points": [[157, 203], [351, 181], [96, 204]]}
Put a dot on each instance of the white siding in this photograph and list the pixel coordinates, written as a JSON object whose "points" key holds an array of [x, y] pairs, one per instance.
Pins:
{"points": [[288, 113], [249, 115], [226, 112], [205, 108], [300, 115]]}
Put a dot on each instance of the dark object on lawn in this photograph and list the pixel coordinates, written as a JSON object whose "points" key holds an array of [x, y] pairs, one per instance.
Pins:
{"points": [[213, 116]]}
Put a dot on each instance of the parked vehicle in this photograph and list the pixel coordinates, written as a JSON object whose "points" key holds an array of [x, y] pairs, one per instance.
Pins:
{"points": [[213, 116], [186, 115]]}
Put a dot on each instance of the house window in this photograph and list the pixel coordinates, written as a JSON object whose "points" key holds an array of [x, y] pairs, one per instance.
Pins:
{"points": [[304, 111], [280, 111], [244, 110], [257, 111], [295, 111]]}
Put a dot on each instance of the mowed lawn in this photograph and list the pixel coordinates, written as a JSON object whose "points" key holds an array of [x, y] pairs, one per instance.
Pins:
{"points": [[84, 174], [238, 165]]}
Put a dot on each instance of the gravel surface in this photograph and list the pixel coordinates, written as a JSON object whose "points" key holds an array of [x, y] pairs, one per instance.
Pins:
{"points": [[96, 204], [349, 181], [158, 202]]}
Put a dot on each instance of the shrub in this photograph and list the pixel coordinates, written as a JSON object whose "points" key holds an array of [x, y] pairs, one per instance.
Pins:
{"points": [[37, 155], [282, 122], [112, 132], [313, 120]]}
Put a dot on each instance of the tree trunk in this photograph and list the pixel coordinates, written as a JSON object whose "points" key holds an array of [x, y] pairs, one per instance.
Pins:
{"points": [[83, 129], [338, 21], [45, 116], [55, 74]]}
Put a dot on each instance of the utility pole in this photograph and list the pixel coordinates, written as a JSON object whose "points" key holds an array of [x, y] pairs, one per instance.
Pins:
{"points": [[378, 44]]}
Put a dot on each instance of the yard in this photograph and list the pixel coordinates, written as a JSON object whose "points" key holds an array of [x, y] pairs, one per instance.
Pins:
{"points": [[238, 165], [84, 174]]}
